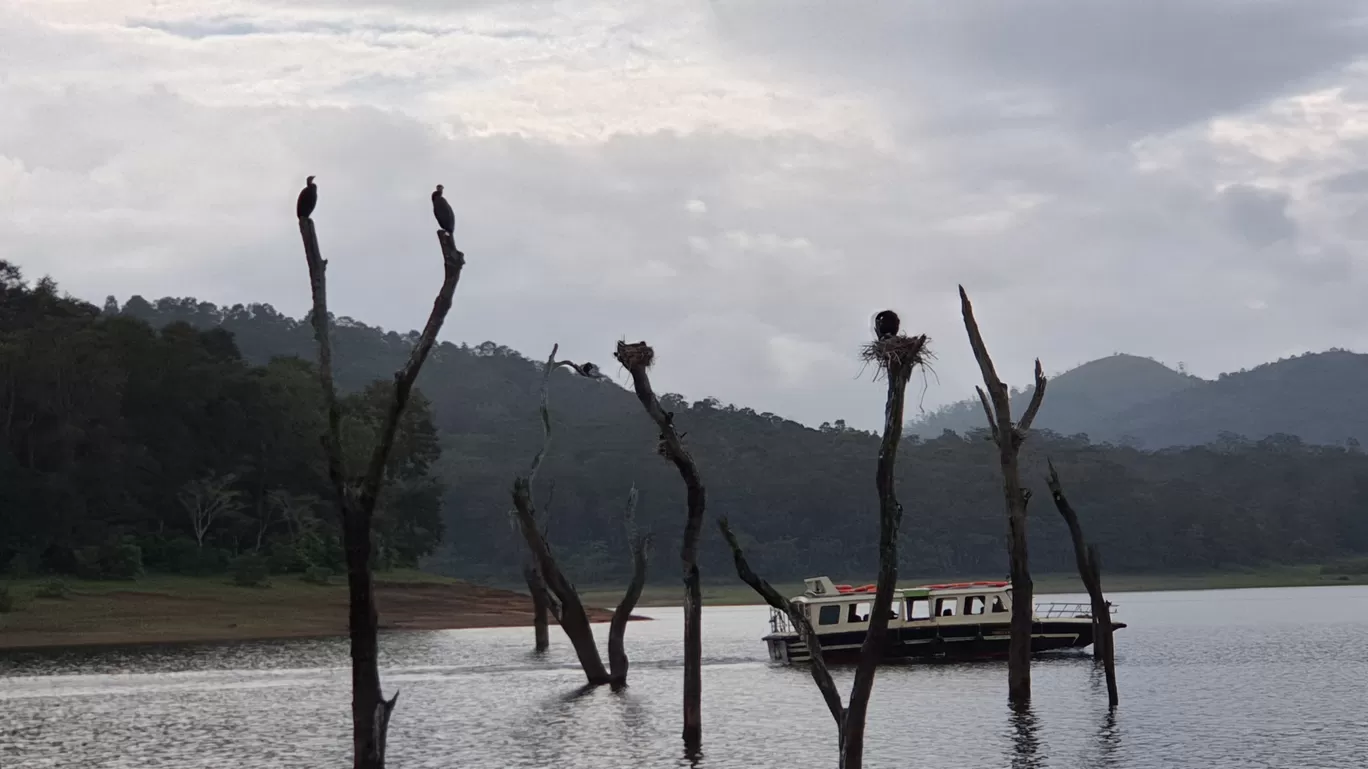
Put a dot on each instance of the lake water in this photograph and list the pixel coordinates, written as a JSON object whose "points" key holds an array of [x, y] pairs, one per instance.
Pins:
{"points": [[1208, 679]]}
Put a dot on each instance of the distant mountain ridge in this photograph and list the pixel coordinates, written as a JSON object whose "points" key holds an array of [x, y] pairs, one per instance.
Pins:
{"points": [[1134, 401]]}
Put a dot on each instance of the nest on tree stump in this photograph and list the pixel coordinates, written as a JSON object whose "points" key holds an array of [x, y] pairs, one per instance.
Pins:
{"points": [[635, 354], [897, 353]]}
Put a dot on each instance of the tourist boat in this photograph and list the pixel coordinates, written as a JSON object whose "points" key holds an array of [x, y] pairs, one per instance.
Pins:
{"points": [[961, 620]]}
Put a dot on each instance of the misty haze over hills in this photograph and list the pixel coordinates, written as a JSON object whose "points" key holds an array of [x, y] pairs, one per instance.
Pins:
{"points": [[1135, 401]]}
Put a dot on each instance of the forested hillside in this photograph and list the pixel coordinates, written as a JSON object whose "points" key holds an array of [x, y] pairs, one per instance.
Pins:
{"points": [[804, 497], [118, 425], [128, 446]]}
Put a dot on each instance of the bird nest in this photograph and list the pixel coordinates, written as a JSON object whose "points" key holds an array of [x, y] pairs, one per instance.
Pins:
{"points": [[634, 354], [900, 353]]}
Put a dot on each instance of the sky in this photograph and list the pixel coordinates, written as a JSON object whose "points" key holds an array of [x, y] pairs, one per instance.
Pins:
{"points": [[742, 183]]}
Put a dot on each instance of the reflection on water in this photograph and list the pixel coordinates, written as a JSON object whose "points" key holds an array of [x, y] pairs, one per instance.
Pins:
{"points": [[1024, 742], [1223, 679]]}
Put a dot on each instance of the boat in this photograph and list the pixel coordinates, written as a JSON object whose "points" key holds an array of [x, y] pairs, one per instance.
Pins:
{"points": [[957, 620]]}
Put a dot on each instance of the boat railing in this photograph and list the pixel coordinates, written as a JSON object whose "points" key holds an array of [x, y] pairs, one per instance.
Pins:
{"points": [[1058, 609], [780, 622]]}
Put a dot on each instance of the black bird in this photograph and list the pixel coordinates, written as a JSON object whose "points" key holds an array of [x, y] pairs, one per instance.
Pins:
{"points": [[886, 324], [308, 198], [441, 209], [589, 369]]}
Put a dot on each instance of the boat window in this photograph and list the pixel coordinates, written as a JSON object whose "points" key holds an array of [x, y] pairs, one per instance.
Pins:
{"points": [[945, 607], [973, 604], [893, 610], [859, 612], [829, 615], [998, 606], [919, 608]]}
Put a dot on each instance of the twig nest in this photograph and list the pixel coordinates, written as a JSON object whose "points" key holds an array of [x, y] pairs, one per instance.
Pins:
{"points": [[634, 355], [897, 353]]}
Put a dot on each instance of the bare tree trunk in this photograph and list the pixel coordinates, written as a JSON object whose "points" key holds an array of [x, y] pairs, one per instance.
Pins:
{"points": [[1089, 570], [897, 356], [997, 406], [356, 501], [637, 358], [536, 586], [617, 653], [574, 620]]}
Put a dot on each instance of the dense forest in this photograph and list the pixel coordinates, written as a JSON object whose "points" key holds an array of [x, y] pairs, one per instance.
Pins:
{"points": [[1124, 399], [131, 447], [115, 419]]}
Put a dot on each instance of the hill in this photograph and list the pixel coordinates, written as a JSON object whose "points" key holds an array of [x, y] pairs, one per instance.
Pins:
{"points": [[118, 425], [1322, 398], [802, 497], [1319, 397], [1087, 399]]}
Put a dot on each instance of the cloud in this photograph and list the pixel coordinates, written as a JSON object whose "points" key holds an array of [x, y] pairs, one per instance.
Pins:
{"points": [[743, 184]]}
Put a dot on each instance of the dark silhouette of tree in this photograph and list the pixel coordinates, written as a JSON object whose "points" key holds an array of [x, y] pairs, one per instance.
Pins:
{"points": [[896, 356], [356, 497]]}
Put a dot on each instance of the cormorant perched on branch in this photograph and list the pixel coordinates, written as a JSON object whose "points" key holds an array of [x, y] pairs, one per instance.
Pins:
{"points": [[441, 209], [886, 324], [308, 198]]}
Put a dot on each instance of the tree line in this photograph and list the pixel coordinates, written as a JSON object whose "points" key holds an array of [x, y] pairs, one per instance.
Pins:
{"points": [[132, 447], [795, 492]]}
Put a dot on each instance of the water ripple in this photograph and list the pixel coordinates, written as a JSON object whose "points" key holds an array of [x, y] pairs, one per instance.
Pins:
{"points": [[1220, 679]]}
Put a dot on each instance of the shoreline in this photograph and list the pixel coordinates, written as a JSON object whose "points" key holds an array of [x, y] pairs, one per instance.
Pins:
{"points": [[659, 596], [187, 610], [160, 609]]}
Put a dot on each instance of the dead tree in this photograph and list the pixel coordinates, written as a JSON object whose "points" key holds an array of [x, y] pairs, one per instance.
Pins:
{"points": [[1090, 571], [640, 545], [356, 496], [543, 604], [997, 406], [573, 618], [896, 356], [637, 358]]}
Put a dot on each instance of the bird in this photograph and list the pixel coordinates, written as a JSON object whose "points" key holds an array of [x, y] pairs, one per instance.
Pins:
{"points": [[886, 324], [308, 198], [589, 369], [441, 209]]}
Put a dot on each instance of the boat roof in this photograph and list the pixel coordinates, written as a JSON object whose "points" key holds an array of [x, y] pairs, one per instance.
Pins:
{"points": [[822, 588]]}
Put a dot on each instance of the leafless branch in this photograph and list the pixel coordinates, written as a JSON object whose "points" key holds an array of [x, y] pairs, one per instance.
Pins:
{"points": [[997, 406], [821, 675], [637, 358], [1090, 571], [356, 507], [1037, 397]]}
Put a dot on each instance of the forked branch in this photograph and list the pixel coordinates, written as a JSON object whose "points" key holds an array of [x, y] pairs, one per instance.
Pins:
{"points": [[997, 407], [356, 500]]}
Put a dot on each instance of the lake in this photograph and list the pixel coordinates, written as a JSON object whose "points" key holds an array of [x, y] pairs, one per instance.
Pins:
{"points": [[1211, 679]]}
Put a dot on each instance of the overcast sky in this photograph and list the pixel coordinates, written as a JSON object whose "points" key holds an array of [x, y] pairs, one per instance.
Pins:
{"points": [[741, 183]]}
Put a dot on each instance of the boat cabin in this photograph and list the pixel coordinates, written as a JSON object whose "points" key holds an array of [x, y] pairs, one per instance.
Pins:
{"points": [[950, 619], [836, 608]]}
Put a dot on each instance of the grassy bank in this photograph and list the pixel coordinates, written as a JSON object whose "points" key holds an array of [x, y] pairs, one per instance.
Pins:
{"points": [[165, 609], [738, 594]]}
